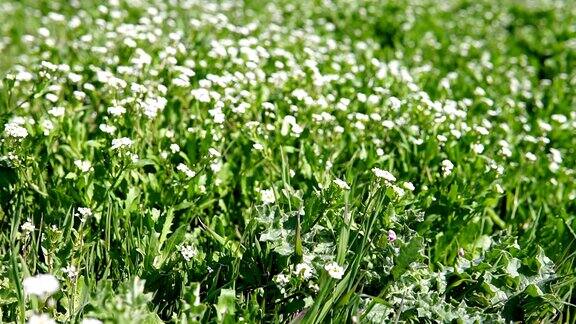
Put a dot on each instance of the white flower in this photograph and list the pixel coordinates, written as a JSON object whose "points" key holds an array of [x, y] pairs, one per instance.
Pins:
{"points": [[51, 97], [267, 196], [304, 270], [186, 170], [41, 319], [216, 166], [116, 110], [47, 126], [447, 167], [531, 156], [281, 279], [42, 285], [258, 146], [342, 184], [91, 321], [201, 95], [384, 174], [107, 128], [27, 227], [188, 252], [334, 270], [477, 148], [83, 165], [84, 212], [123, 142], [408, 186], [71, 271], [175, 148], [399, 191], [14, 130], [57, 111]]}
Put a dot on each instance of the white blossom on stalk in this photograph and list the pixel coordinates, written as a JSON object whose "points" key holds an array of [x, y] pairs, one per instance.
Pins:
{"points": [[175, 148], [71, 272], [41, 285], [267, 196], [447, 167], [123, 142], [116, 111], [108, 129], [83, 165], [186, 170], [188, 252], [41, 319], [304, 270], [477, 148], [531, 156], [16, 131], [409, 186], [383, 174], [91, 321], [342, 184], [83, 213], [334, 270], [57, 111], [281, 279], [27, 227]]}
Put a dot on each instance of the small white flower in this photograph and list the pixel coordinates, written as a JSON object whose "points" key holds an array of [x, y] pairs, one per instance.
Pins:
{"points": [[42, 285], [267, 196], [108, 129], [71, 272], [41, 319], [447, 167], [342, 184], [14, 130], [531, 156], [51, 97], [258, 146], [188, 252], [304, 270], [408, 186], [399, 191], [477, 148], [201, 95], [387, 176], [116, 111], [175, 148], [123, 142], [83, 165], [27, 227], [214, 153], [216, 166], [281, 279], [47, 126], [91, 321], [83, 213], [334, 270], [57, 111], [186, 170]]}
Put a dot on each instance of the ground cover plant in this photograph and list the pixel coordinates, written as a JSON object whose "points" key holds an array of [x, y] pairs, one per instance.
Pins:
{"points": [[288, 161]]}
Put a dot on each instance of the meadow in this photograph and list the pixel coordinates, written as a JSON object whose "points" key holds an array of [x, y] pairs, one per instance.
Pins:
{"points": [[289, 161]]}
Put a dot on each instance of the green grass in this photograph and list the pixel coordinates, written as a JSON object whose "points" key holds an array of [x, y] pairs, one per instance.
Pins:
{"points": [[447, 125]]}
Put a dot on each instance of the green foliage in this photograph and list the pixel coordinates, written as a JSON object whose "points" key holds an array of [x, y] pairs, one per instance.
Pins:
{"points": [[287, 161]]}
